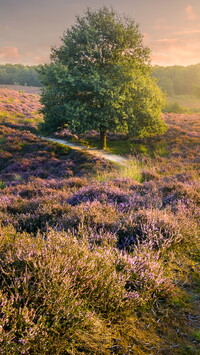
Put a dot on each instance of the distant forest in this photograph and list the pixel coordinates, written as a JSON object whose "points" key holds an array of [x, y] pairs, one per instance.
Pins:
{"points": [[174, 80], [18, 74], [179, 80]]}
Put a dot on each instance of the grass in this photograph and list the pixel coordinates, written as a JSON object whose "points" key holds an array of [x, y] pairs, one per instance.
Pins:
{"points": [[147, 148], [130, 170], [197, 335]]}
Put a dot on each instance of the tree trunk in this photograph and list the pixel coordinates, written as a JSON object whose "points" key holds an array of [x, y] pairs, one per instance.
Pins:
{"points": [[102, 139]]}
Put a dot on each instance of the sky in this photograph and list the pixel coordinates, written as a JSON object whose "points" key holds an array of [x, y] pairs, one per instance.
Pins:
{"points": [[29, 28]]}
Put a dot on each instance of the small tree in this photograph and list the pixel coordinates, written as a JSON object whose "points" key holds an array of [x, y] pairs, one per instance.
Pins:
{"points": [[100, 78]]}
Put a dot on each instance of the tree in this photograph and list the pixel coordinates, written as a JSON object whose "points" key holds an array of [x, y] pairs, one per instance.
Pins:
{"points": [[100, 78]]}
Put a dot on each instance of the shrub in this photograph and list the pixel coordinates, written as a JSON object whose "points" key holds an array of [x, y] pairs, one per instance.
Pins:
{"points": [[101, 193], [147, 277], [159, 228], [59, 289]]}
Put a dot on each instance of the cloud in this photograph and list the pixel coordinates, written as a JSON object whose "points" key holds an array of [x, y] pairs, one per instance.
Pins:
{"points": [[162, 59], [166, 41], [146, 38], [161, 23], [188, 31], [190, 14], [35, 59], [174, 51], [40, 55], [9, 54], [176, 44], [12, 55]]}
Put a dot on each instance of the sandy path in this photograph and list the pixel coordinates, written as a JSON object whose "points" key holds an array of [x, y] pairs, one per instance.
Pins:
{"points": [[93, 151]]}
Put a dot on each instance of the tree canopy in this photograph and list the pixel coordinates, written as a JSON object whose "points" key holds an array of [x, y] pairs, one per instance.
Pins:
{"points": [[100, 78]]}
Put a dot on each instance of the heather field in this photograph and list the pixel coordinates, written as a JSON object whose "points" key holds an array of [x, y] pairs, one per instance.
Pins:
{"points": [[98, 258], [19, 109]]}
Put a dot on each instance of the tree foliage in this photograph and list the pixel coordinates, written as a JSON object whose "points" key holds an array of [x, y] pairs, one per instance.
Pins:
{"points": [[100, 78]]}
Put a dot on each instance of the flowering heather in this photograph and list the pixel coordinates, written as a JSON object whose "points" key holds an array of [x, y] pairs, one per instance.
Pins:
{"points": [[19, 109], [97, 266], [189, 123], [18, 102], [102, 193]]}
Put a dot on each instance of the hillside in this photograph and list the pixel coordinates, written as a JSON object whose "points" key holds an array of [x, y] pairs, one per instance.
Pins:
{"points": [[97, 258]]}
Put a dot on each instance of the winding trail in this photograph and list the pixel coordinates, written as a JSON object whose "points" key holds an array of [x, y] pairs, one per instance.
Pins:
{"points": [[99, 153]]}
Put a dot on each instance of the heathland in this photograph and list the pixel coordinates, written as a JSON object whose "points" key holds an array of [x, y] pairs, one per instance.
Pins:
{"points": [[95, 257]]}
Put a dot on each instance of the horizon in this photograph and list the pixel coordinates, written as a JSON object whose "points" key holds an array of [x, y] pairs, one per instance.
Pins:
{"points": [[153, 65], [171, 30]]}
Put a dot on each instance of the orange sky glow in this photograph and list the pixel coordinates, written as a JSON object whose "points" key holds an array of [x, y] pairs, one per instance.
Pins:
{"points": [[29, 28]]}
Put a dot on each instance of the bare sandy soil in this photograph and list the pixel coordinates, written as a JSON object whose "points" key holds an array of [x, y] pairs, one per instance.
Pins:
{"points": [[93, 151]]}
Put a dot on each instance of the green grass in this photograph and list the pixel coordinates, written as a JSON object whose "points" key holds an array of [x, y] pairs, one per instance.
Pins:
{"points": [[125, 147], [151, 149], [197, 335], [121, 147], [131, 169]]}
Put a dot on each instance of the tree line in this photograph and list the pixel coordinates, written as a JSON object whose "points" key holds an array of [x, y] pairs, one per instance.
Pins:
{"points": [[18, 74], [178, 80], [174, 80]]}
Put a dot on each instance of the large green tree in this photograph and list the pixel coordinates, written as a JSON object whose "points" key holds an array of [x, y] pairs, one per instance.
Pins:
{"points": [[100, 78]]}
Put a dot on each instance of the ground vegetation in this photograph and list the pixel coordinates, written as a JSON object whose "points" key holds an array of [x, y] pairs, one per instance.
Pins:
{"points": [[95, 259]]}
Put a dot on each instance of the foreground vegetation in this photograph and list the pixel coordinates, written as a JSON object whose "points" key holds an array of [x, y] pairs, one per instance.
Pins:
{"points": [[96, 258]]}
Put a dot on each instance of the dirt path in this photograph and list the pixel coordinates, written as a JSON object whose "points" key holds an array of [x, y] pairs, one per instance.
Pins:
{"points": [[93, 151]]}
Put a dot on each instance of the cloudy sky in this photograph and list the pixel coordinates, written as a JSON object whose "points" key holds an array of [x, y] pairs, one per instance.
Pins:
{"points": [[28, 28]]}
